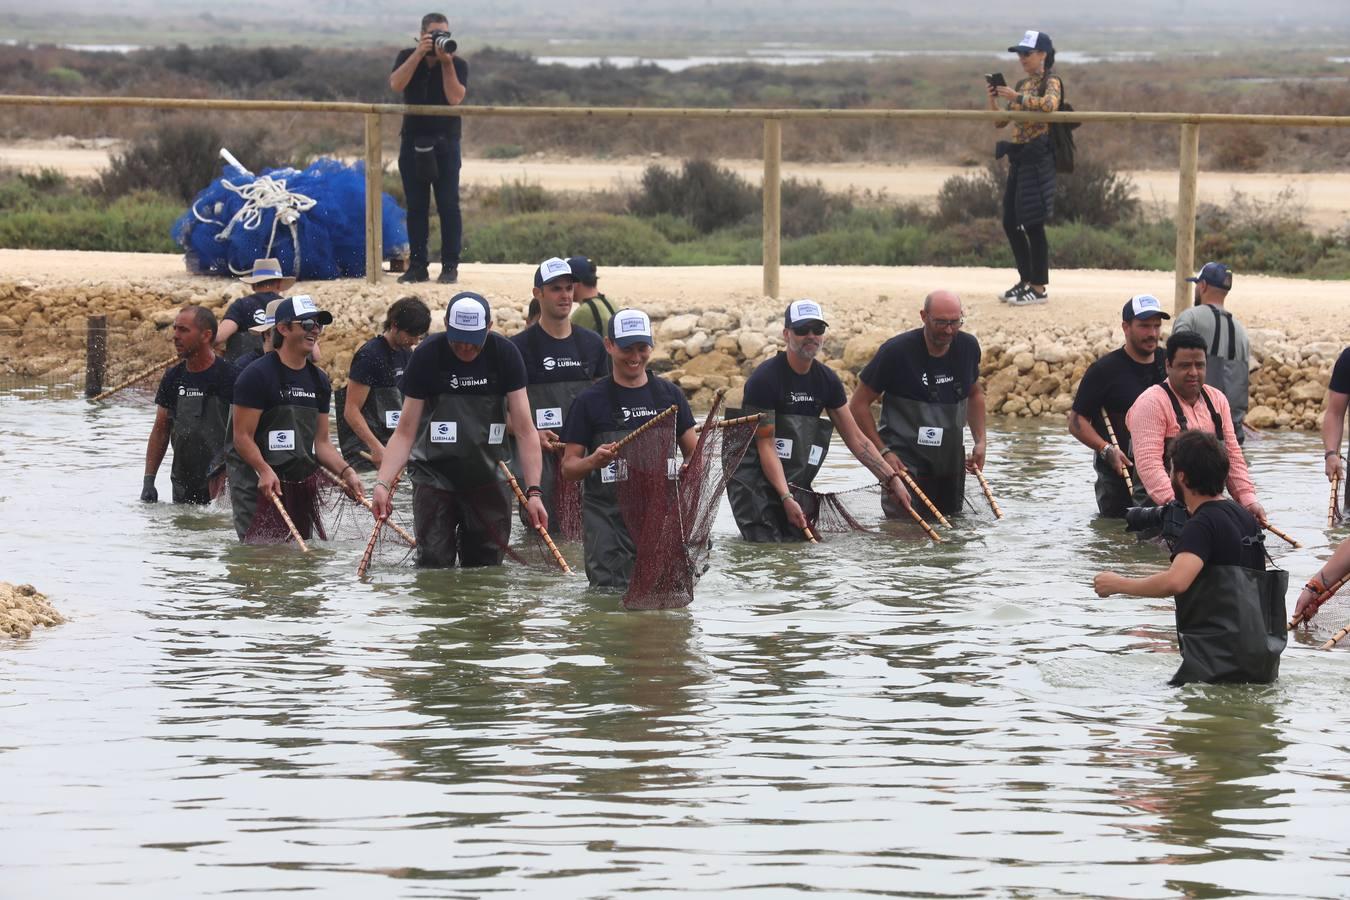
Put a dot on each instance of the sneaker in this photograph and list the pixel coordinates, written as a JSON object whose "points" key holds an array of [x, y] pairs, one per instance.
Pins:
{"points": [[1029, 296], [449, 275], [414, 275], [1011, 293]]}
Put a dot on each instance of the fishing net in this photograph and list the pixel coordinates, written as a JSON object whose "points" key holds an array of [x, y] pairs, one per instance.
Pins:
{"points": [[669, 512], [566, 501], [840, 512], [303, 504], [311, 221]]}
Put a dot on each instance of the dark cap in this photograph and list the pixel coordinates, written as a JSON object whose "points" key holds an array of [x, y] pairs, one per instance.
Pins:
{"points": [[1033, 41], [550, 270], [583, 270], [467, 318], [1142, 306], [299, 308], [1216, 274]]}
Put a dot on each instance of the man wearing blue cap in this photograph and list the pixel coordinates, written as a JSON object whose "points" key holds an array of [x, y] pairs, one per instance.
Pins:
{"points": [[560, 362], [1109, 388], [280, 415], [238, 336], [791, 390], [1226, 362], [461, 393], [591, 309], [602, 415]]}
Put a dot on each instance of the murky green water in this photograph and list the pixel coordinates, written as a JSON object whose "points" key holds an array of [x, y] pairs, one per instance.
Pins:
{"points": [[873, 715]]}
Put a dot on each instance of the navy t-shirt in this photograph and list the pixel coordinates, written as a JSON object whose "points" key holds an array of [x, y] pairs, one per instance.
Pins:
{"points": [[377, 364], [1340, 374], [1215, 535], [1113, 383], [903, 368], [217, 380], [594, 410], [435, 369], [774, 386], [251, 310], [580, 356], [269, 383]]}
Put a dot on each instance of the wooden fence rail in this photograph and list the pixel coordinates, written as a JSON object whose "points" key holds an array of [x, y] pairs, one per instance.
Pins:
{"points": [[772, 119]]}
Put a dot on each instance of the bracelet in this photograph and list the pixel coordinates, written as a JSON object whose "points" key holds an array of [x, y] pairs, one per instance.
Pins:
{"points": [[890, 451], [386, 487], [785, 498], [1330, 453], [344, 471], [534, 490]]}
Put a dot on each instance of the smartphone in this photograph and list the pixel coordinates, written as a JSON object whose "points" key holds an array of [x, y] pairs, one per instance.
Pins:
{"points": [[995, 80]]}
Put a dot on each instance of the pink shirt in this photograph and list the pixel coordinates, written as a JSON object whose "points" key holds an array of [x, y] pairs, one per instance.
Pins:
{"points": [[1151, 422]]}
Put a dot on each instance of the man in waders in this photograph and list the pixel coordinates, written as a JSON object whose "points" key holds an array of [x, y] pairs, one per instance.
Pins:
{"points": [[1109, 388], [237, 335], [592, 309], [928, 383], [1333, 421], [1226, 364], [1230, 610], [603, 414], [194, 406], [791, 390], [280, 416], [560, 362], [461, 392], [1184, 402], [371, 401]]}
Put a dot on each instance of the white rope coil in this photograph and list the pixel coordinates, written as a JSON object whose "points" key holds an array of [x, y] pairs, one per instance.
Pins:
{"points": [[263, 193]]}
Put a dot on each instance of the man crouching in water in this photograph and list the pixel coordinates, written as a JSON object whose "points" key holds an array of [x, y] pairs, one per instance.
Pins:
{"points": [[1230, 610]]}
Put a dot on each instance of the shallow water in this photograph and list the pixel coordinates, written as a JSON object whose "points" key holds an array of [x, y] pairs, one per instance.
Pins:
{"points": [[875, 714]]}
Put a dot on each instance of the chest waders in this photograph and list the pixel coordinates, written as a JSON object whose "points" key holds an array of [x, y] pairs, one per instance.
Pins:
{"points": [[929, 438], [610, 549], [200, 430], [285, 436], [380, 412], [242, 343], [1113, 497], [1225, 372], [1231, 625], [802, 443], [1183, 424]]}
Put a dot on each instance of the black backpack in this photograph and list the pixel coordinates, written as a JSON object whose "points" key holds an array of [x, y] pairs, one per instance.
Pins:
{"points": [[1061, 133]]}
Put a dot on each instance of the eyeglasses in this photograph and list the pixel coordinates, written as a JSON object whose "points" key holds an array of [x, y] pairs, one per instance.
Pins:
{"points": [[803, 330], [309, 325], [948, 323]]}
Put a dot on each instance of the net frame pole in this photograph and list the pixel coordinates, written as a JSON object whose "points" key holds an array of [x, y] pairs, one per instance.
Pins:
{"points": [[772, 190], [374, 200], [95, 354], [1187, 194]]}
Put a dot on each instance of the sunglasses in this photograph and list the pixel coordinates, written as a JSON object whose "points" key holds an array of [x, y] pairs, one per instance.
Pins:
{"points": [[803, 330], [309, 325]]}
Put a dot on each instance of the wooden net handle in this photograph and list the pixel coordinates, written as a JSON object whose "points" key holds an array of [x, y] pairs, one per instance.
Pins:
{"points": [[543, 532]]}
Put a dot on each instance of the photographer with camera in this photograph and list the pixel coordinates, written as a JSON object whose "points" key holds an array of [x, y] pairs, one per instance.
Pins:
{"points": [[1180, 403], [430, 74], [1230, 610]]}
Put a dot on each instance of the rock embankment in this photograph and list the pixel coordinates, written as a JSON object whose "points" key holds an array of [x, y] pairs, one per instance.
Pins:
{"points": [[22, 609], [1030, 369]]}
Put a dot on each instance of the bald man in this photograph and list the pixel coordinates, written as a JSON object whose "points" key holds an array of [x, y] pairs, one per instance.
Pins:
{"points": [[928, 383]]}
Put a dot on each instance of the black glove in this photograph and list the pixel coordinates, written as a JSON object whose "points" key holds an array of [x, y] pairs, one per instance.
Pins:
{"points": [[148, 492]]}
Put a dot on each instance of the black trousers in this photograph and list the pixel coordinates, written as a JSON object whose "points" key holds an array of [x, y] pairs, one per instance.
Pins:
{"points": [[418, 192], [1028, 243], [474, 526]]}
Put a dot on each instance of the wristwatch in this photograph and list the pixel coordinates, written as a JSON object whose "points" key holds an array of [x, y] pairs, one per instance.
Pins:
{"points": [[1101, 454]]}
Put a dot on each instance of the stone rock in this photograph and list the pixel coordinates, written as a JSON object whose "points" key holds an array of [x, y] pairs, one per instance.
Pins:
{"points": [[727, 344], [715, 321], [691, 382], [676, 327], [1043, 386], [859, 350], [1061, 404], [1024, 361], [1260, 417], [716, 382], [1307, 390], [1002, 381], [714, 363], [164, 317], [752, 344], [1013, 405], [1052, 353]]}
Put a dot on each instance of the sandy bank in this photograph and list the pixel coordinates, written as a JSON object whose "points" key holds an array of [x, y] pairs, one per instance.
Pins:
{"points": [[22, 609]]}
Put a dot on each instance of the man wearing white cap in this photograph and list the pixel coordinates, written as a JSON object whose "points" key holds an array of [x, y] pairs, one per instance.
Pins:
{"points": [[461, 392], [791, 390], [601, 415], [237, 329], [560, 362]]}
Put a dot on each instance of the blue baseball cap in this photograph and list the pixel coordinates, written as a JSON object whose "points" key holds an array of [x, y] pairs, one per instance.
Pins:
{"points": [[1216, 274], [467, 319], [630, 326], [299, 308], [583, 270]]}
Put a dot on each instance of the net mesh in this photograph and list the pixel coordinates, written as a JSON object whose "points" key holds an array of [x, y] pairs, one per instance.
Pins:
{"points": [[840, 512], [566, 500], [669, 512], [304, 504]]}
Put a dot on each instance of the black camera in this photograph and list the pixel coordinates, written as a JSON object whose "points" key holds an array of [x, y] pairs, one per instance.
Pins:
{"points": [[443, 42], [1168, 519]]}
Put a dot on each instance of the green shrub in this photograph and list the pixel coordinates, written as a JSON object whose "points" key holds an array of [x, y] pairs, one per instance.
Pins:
{"points": [[504, 151], [708, 196], [518, 196], [963, 198], [807, 208], [181, 160], [979, 242], [136, 223], [1080, 246], [45, 179], [1094, 194], [609, 240]]}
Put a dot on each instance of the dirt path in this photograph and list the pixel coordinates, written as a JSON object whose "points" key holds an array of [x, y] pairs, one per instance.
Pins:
{"points": [[1325, 196]]}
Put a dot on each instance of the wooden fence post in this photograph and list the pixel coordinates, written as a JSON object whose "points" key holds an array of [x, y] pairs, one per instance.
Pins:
{"points": [[1185, 218], [95, 354], [374, 200], [773, 203]]}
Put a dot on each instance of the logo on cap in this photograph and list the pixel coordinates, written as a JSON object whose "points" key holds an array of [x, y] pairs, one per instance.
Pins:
{"points": [[303, 304], [1146, 302], [632, 324], [1029, 39], [468, 318]]}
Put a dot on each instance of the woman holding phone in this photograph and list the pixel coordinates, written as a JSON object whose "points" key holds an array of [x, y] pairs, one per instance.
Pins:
{"points": [[1029, 199]]}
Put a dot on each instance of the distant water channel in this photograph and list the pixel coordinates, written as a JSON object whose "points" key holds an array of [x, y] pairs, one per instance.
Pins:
{"points": [[876, 714]]}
